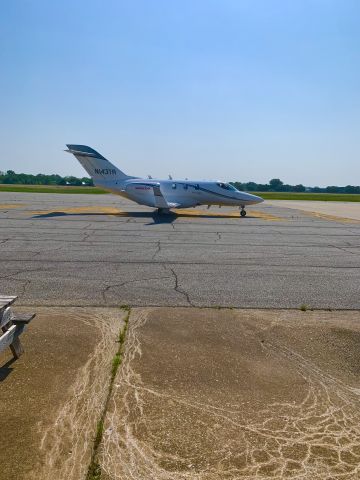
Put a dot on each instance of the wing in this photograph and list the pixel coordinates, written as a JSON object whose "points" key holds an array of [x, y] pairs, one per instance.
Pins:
{"points": [[159, 199]]}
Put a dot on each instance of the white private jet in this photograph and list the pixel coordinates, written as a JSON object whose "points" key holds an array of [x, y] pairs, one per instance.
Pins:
{"points": [[160, 194]]}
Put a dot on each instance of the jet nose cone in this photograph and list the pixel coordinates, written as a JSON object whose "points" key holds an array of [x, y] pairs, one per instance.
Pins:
{"points": [[254, 198], [258, 199]]}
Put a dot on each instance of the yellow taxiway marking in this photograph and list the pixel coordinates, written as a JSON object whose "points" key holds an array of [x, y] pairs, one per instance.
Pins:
{"points": [[5, 206], [232, 214], [331, 218], [80, 210], [182, 213]]}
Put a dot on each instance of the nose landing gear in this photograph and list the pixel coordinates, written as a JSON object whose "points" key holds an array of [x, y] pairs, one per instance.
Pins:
{"points": [[243, 211]]}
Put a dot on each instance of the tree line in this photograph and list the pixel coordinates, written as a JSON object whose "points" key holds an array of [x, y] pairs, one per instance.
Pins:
{"points": [[274, 185], [10, 177]]}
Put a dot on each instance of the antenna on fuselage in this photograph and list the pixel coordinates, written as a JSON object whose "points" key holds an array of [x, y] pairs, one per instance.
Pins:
{"points": [[170, 177], [149, 177]]}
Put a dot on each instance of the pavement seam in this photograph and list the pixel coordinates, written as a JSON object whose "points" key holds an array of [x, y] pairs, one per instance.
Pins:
{"points": [[174, 262], [94, 469], [217, 307]]}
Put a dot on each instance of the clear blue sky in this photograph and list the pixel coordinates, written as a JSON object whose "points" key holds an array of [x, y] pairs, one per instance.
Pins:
{"points": [[229, 89]]}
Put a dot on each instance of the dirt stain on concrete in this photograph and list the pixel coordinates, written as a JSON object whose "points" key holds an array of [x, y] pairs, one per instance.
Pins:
{"points": [[226, 394], [52, 397]]}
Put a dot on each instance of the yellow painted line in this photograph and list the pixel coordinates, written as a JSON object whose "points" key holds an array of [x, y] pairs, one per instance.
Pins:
{"points": [[79, 210], [185, 213], [331, 218], [181, 212], [5, 206], [91, 210], [265, 216]]}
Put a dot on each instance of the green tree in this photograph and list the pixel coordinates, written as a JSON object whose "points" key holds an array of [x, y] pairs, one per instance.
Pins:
{"points": [[299, 188], [275, 184]]}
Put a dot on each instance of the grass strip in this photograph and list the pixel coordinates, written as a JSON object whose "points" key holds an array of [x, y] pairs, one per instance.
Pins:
{"points": [[50, 189], [94, 470], [324, 197]]}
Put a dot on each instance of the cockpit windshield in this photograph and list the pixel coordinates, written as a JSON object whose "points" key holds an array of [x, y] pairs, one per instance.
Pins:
{"points": [[226, 186]]}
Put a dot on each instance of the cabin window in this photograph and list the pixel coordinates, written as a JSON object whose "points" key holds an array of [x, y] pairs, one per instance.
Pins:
{"points": [[173, 186]]}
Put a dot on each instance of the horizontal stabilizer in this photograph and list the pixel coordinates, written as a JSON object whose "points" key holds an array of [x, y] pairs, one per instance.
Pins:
{"points": [[84, 151]]}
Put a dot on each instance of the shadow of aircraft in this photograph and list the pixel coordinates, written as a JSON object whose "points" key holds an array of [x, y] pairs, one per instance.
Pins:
{"points": [[168, 218], [155, 216], [5, 369]]}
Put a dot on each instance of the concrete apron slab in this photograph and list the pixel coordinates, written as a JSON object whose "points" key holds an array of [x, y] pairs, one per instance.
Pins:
{"points": [[52, 397], [336, 211], [235, 394]]}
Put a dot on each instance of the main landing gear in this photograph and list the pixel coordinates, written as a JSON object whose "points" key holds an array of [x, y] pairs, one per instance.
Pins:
{"points": [[243, 211], [163, 211]]}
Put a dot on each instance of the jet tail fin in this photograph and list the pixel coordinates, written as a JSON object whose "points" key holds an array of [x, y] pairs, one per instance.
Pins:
{"points": [[98, 167]]}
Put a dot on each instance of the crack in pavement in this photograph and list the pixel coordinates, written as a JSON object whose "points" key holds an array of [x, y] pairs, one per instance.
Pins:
{"points": [[108, 287], [25, 282], [87, 235], [35, 270], [177, 288], [24, 286], [158, 250], [344, 249]]}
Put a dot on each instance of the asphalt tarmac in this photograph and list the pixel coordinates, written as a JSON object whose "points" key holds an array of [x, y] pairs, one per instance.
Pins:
{"points": [[96, 250], [349, 210]]}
